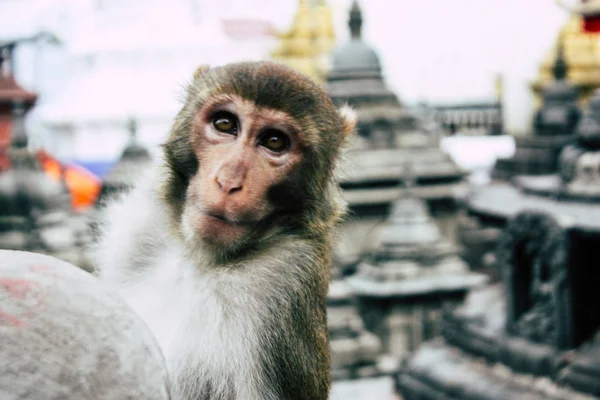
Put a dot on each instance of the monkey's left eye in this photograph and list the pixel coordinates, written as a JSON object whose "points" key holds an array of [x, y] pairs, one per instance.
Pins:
{"points": [[225, 122], [275, 141]]}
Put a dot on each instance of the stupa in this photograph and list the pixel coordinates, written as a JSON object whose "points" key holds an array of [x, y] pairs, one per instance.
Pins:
{"points": [[35, 213], [553, 127], [536, 154], [307, 44], [582, 56], [389, 136], [536, 333], [133, 161], [10, 91], [407, 275]]}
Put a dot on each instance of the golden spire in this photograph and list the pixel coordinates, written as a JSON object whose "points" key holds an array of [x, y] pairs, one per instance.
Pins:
{"points": [[581, 53], [306, 45]]}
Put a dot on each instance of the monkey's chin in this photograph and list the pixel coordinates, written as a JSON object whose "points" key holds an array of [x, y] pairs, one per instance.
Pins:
{"points": [[221, 233]]}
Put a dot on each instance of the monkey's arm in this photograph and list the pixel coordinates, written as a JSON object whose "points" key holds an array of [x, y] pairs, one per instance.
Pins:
{"points": [[297, 354], [133, 229]]}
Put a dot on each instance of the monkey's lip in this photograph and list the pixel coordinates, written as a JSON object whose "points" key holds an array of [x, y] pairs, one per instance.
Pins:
{"points": [[222, 218]]}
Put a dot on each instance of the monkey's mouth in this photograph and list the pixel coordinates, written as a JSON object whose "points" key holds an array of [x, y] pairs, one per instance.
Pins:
{"points": [[224, 219]]}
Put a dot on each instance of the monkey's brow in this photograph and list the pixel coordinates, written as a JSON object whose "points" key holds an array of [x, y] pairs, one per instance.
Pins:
{"points": [[220, 100]]}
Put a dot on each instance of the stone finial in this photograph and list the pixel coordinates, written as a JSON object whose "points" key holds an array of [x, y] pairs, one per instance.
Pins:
{"points": [[560, 68], [19, 136], [133, 128], [355, 21]]}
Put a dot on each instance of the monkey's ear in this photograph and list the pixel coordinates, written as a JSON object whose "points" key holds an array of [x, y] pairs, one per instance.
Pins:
{"points": [[200, 70], [348, 119]]}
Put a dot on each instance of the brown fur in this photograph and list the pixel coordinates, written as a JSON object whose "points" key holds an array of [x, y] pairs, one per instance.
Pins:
{"points": [[281, 266]]}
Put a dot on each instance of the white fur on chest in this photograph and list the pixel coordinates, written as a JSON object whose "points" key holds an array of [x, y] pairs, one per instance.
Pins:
{"points": [[205, 323]]}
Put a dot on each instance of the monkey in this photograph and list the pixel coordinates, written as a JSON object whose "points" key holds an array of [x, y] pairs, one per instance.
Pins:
{"points": [[224, 246]]}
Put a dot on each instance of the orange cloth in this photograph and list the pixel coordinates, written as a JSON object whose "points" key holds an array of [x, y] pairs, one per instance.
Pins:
{"points": [[82, 184]]}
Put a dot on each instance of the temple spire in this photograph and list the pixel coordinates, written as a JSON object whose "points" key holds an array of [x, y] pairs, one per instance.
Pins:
{"points": [[19, 136], [560, 68], [132, 127], [355, 21]]}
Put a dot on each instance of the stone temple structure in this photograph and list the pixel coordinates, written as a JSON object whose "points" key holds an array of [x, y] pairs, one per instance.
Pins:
{"points": [[581, 52], [553, 126], [35, 211], [535, 334], [10, 91], [407, 275], [355, 352], [538, 154], [389, 136], [123, 174]]}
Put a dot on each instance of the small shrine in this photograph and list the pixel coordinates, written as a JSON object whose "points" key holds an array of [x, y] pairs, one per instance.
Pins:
{"points": [[535, 333], [306, 46], [582, 57], [355, 352], [407, 275], [388, 136], [553, 126], [35, 210], [10, 91], [537, 154], [133, 161]]}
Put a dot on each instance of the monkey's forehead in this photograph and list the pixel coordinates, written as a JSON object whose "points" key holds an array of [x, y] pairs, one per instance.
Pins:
{"points": [[270, 85]]}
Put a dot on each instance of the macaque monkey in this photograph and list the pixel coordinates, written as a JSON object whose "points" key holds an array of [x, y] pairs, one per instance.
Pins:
{"points": [[224, 249]]}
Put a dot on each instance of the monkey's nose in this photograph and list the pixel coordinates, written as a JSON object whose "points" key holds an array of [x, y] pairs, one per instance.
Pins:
{"points": [[229, 186]]}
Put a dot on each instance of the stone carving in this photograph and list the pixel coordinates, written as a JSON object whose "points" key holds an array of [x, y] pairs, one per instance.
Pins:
{"points": [[533, 258]]}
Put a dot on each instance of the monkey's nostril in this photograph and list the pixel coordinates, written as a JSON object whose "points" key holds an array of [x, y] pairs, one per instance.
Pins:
{"points": [[235, 189], [228, 187]]}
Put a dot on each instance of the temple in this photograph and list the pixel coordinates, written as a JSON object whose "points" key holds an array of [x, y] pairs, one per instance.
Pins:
{"points": [[408, 273], [10, 92], [582, 57], [307, 44], [534, 333], [355, 352], [35, 210], [388, 137], [538, 153], [123, 174], [553, 127]]}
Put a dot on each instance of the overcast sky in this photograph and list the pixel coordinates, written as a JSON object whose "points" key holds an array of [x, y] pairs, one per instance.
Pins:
{"points": [[437, 51], [451, 50]]}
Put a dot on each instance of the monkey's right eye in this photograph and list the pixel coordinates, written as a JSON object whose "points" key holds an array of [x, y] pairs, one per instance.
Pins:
{"points": [[225, 122]]}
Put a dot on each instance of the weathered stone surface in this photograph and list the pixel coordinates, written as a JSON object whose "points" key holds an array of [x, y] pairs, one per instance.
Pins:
{"points": [[553, 127], [64, 336], [439, 371]]}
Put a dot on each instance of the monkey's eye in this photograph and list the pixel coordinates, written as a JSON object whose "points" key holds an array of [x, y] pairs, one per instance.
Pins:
{"points": [[225, 122], [275, 140]]}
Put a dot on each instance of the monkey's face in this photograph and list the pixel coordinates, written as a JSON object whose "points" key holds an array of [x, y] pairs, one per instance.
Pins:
{"points": [[250, 154], [243, 151]]}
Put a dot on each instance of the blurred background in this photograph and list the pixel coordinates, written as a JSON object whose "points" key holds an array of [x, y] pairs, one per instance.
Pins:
{"points": [[478, 129]]}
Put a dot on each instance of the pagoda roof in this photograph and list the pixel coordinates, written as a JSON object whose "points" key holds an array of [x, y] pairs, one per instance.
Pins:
{"points": [[384, 164], [11, 91], [503, 200], [442, 283]]}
